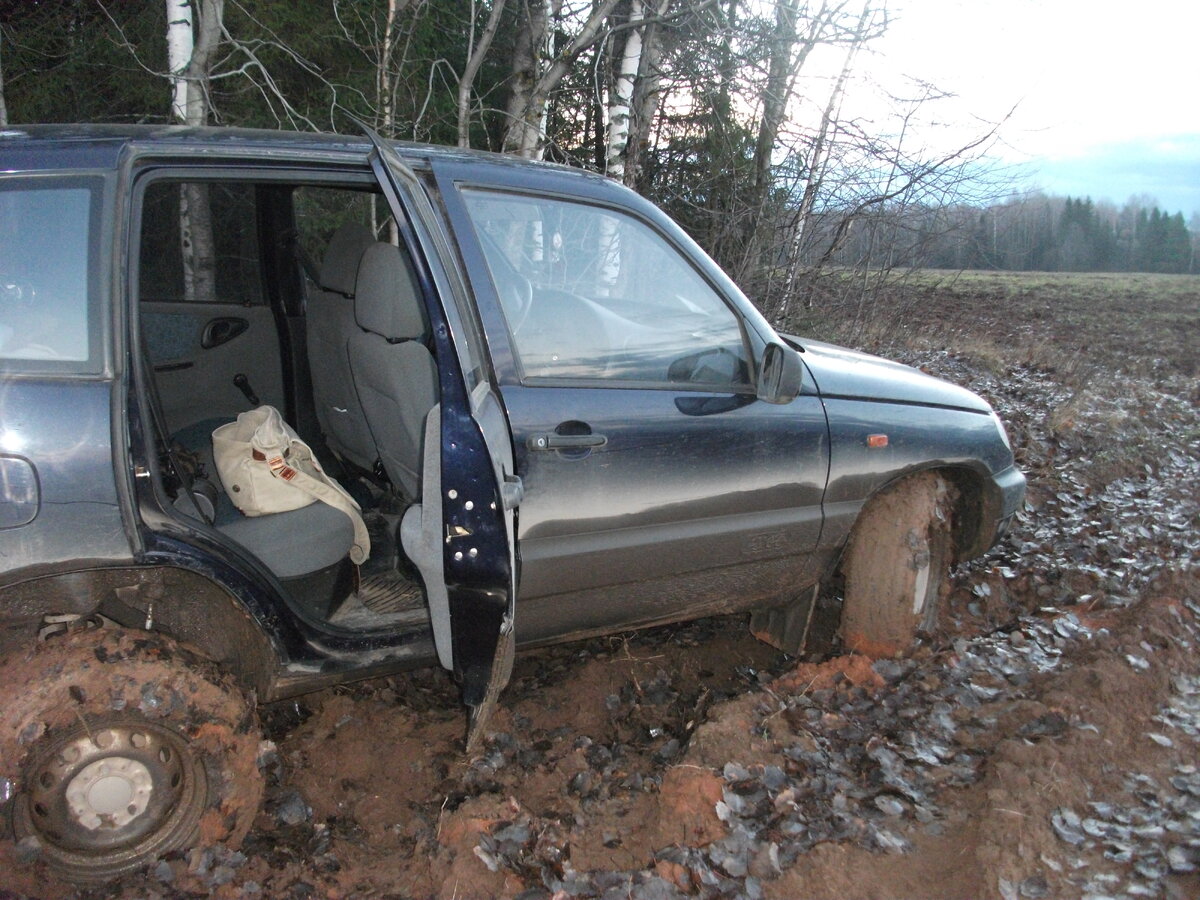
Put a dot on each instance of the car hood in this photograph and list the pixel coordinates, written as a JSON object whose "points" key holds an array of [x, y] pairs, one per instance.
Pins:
{"points": [[840, 372]]}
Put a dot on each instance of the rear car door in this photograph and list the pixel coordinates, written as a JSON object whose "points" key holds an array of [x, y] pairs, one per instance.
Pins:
{"points": [[657, 484], [463, 536]]}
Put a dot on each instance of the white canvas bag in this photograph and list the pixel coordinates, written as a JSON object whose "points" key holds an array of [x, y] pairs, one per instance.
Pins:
{"points": [[266, 468]]}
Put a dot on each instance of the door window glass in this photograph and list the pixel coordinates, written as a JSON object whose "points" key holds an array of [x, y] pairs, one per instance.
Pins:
{"points": [[321, 211], [200, 244], [47, 267], [593, 293]]}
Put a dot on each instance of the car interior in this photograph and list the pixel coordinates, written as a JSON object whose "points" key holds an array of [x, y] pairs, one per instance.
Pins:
{"points": [[299, 297]]}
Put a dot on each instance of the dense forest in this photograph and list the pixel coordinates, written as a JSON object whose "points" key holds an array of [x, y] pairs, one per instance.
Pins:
{"points": [[728, 113], [1035, 232]]}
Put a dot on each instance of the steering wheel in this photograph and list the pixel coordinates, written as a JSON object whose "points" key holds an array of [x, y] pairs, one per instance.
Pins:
{"points": [[513, 288], [516, 298]]}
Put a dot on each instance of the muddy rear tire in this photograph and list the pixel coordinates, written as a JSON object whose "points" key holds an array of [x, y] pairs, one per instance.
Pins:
{"points": [[124, 747], [896, 565]]}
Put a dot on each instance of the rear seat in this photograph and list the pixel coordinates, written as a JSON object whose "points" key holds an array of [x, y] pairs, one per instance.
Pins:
{"points": [[291, 544]]}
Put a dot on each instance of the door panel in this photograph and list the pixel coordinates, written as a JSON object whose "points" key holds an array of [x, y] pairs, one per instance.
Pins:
{"points": [[198, 382], [655, 481], [673, 491]]}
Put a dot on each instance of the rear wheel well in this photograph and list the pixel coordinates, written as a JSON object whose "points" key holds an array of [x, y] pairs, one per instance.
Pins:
{"points": [[176, 602]]}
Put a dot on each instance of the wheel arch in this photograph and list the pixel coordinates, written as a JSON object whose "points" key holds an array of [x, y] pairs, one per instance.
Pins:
{"points": [[975, 501], [177, 602], [113, 705]]}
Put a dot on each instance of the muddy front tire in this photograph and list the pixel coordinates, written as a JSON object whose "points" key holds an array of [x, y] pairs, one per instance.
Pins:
{"points": [[896, 565], [124, 747]]}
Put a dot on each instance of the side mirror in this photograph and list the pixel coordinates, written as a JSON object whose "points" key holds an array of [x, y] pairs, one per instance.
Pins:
{"points": [[781, 375]]}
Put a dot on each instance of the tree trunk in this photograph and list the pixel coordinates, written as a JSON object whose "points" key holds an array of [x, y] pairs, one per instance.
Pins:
{"points": [[385, 100], [645, 96], [775, 94], [528, 103], [193, 32], [622, 95], [208, 34], [788, 53], [180, 44], [521, 134], [817, 159], [475, 60]]}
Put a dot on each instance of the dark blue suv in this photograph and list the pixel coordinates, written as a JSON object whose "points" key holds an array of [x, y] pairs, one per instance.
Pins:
{"points": [[557, 416]]}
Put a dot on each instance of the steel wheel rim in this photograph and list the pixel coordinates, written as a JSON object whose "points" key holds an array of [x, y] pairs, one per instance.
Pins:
{"points": [[114, 788]]}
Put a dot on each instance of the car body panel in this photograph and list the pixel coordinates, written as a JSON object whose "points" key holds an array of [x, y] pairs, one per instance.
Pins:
{"points": [[60, 431], [840, 372], [737, 487]]}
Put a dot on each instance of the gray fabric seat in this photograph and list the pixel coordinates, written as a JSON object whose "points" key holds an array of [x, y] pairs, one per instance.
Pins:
{"points": [[293, 543], [330, 323], [290, 544], [394, 372]]}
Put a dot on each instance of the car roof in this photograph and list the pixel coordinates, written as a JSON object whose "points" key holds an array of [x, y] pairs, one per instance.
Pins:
{"points": [[95, 145]]}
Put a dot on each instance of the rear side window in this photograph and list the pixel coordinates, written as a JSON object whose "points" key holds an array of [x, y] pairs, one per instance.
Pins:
{"points": [[49, 232], [200, 243]]}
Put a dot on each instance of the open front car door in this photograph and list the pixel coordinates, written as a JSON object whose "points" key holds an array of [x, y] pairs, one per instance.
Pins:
{"points": [[461, 533]]}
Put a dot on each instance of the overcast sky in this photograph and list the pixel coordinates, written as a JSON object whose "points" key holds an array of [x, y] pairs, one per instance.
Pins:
{"points": [[1107, 93]]}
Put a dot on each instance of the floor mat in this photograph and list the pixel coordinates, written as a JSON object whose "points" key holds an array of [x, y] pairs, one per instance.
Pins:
{"points": [[389, 592]]}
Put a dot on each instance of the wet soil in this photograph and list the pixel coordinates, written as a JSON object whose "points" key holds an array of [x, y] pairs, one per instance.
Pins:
{"points": [[1042, 742]]}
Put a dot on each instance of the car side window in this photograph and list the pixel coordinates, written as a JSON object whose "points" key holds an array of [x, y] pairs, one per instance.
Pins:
{"points": [[321, 211], [200, 243], [47, 269], [594, 293]]}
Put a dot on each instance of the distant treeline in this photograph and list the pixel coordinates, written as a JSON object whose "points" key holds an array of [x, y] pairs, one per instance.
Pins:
{"points": [[1033, 233]]}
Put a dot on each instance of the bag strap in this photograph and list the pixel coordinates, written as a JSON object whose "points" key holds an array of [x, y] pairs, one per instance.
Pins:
{"points": [[327, 492]]}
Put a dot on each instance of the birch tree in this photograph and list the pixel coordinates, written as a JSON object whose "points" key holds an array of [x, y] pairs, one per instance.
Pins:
{"points": [[193, 33], [475, 56], [646, 92], [622, 94]]}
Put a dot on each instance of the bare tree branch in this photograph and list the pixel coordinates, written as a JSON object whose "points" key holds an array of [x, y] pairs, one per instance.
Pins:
{"points": [[476, 54]]}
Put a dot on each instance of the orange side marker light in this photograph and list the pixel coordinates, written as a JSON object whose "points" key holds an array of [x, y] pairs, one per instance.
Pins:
{"points": [[877, 440]]}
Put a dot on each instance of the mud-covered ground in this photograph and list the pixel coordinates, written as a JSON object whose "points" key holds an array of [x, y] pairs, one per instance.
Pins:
{"points": [[1044, 743]]}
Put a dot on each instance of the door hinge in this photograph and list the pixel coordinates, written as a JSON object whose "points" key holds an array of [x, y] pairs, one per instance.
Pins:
{"points": [[512, 491]]}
